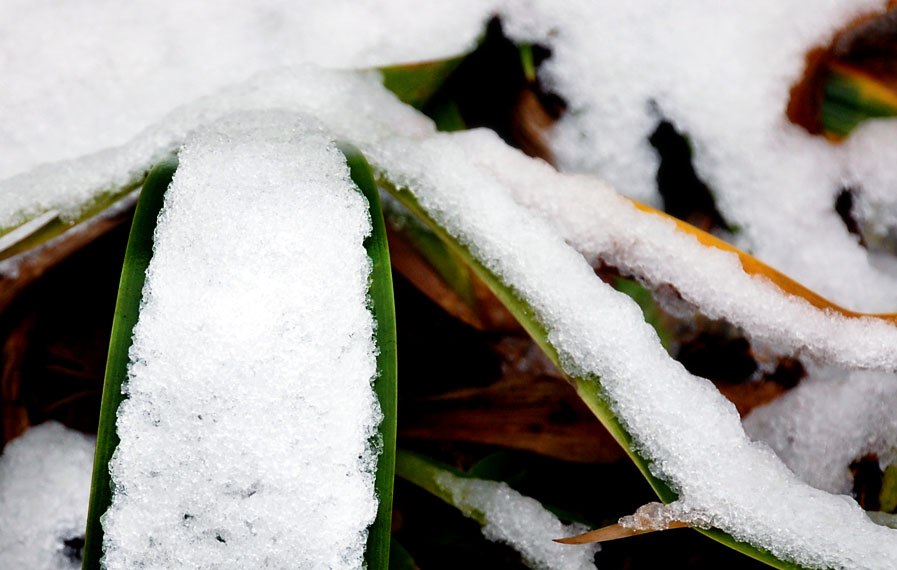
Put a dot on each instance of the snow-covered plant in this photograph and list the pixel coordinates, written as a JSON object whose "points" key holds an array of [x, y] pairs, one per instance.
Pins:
{"points": [[249, 408]]}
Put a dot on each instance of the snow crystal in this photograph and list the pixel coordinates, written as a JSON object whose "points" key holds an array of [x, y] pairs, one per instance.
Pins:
{"points": [[44, 492], [831, 419], [721, 73], [81, 77], [604, 226], [246, 435], [690, 434], [657, 516], [519, 521]]}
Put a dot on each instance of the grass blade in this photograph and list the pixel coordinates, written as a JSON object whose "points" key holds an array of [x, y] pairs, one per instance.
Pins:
{"points": [[44, 226], [383, 308], [137, 258], [587, 388]]}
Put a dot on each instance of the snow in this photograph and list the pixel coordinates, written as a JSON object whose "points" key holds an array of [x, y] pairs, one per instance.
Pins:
{"points": [[871, 147], [350, 103], [691, 435], [520, 522], [831, 419], [44, 491], [658, 516], [14, 237], [247, 435], [605, 227], [721, 73], [79, 120], [78, 78]]}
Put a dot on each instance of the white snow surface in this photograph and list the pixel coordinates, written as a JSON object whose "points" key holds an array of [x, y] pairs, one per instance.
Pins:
{"points": [[100, 117], [44, 492], [348, 102], [831, 419], [872, 154], [721, 73], [82, 76], [680, 423], [690, 434], [658, 516], [246, 435], [520, 522]]}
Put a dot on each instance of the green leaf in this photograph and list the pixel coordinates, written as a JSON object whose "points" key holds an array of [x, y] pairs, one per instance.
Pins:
{"points": [[137, 258], [884, 519], [527, 62], [588, 388], [514, 469], [888, 495], [424, 472], [851, 97], [451, 269], [416, 83], [445, 113], [383, 309], [651, 310], [130, 289], [43, 227]]}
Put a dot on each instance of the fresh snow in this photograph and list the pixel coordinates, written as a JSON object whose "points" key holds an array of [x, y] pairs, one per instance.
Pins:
{"points": [[248, 432], [80, 120], [721, 72], [520, 522], [606, 227], [44, 492], [690, 434], [680, 423], [81, 77], [831, 419], [348, 102]]}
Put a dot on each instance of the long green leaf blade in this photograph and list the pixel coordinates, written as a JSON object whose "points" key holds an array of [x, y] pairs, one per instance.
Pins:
{"points": [[588, 389], [127, 307], [138, 255], [383, 308]]}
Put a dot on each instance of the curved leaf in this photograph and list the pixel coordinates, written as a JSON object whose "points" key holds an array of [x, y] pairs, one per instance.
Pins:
{"points": [[424, 472], [43, 227], [754, 266], [137, 258], [383, 309], [130, 289], [588, 388]]}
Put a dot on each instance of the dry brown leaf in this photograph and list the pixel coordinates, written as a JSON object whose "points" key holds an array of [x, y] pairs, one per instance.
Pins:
{"points": [[614, 532]]}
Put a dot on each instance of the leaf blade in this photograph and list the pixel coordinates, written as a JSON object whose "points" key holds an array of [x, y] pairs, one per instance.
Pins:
{"points": [[589, 389], [137, 257], [383, 309]]}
